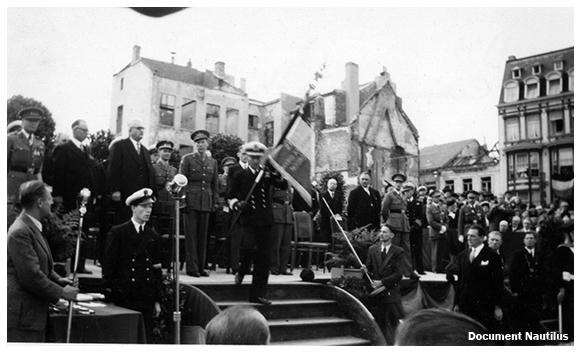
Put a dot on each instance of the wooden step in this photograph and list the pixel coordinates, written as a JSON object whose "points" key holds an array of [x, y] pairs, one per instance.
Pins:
{"points": [[327, 341], [290, 308], [309, 328]]}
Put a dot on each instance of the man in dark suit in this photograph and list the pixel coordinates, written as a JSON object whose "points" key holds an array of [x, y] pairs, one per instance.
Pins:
{"points": [[364, 205], [335, 201], [74, 170], [480, 284], [236, 229], [129, 168], [417, 218], [132, 262], [32, 281], [527, 284], [385, 263], [256, 219]]}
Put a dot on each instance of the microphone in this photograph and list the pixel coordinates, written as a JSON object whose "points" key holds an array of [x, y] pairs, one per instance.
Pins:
{"points": [[178, 182], [85, 194]]}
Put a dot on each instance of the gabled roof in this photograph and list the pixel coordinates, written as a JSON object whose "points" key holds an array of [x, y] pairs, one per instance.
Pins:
{"points": [[187, 75], [438, 156]]}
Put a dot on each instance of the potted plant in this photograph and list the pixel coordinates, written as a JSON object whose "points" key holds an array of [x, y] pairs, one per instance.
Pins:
{"points": [[61, 230], [343, 261]]}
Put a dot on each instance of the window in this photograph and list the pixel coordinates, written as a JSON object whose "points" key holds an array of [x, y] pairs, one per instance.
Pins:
{"points": [[185, 149], [212, 118], [558, 65], [536, 69], [188, 114], [512, 129], [516, 72], [167, 109], [450, 185], [562, 163], [253, 122], [511, 91], [231, 121], [269, 134], [522, 165], [533, 126], [467, 184], [532, 88], [119, 122], [121, 84], [557, 126], [554, 84], [511, 171], [430, 185], [486, 184], [571, 80], [534, 160]]}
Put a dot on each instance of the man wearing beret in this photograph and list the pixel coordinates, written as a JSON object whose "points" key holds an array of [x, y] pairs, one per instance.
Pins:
{"points": [[201, 198], [132, 262], [393, 210], [251, 196], [32, 281], [470, 213], [163, 176], [25, 156], [129, 167]]}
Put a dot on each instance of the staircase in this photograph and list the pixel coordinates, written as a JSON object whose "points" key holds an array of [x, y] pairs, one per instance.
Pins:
{"points": [[305, 314]]}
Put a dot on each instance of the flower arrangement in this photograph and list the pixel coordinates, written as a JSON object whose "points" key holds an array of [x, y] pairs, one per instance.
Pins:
{"points": [[354, 285], [164, 324], [360, 238], [61, 230]]}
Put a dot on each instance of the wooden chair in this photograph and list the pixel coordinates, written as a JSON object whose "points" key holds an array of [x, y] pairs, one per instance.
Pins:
{"points": [[303, 240]]}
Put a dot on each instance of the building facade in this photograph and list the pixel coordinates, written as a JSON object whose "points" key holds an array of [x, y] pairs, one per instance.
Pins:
{"points": [[535, 121], [460, 166]]}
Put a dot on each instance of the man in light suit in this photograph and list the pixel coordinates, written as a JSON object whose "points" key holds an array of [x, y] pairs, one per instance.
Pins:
{"points": [[32, 281], [130, 168], [364, 205], [385, 263], [480, 281]]}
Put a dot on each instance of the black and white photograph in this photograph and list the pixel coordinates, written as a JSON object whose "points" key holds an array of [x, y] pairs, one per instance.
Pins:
{"points": [[290, 174]]}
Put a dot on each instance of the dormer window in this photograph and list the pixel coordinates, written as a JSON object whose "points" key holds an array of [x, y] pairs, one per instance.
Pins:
{"points": [[532, 88], [516, 72], [558, 65], [511, 93], [537, 69]]}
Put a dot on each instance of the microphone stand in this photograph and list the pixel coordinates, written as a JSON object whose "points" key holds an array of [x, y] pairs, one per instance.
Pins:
{"points": [[177, 315], [82, 211]]}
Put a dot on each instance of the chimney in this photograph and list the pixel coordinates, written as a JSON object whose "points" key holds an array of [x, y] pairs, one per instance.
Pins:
{"points": [[511, 58], [351, 88], [189, 64], [220, 69], [136, 54], [243, 84]]}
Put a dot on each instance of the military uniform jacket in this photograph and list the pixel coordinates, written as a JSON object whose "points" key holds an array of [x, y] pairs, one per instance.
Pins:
{"points": [[259, 210], [393, 210], [415, 211], [436, 219], [24, 161], [74, 170], [363, 208], [163, 174], [469, 214], [132, 265], [31, 279], [282, 210], [202, 188], [388, 269]]}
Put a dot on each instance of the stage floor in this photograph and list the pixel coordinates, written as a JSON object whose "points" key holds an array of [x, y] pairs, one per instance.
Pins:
{"points": [[220, 276]]}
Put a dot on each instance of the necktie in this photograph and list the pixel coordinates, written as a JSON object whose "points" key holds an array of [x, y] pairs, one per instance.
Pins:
{"points": [[31, 139], [383, 253], [140, 229], [472, 253], [138, 147]]}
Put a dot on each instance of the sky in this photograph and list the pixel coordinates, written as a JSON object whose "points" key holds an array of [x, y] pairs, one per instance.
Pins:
{"points": [[447, 63]]}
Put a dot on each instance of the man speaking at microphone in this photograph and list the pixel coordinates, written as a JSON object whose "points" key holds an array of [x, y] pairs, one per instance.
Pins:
{"points": [[252, 198], [132, 262]]}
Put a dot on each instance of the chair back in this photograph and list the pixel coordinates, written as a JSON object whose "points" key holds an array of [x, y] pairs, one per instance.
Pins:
{"points": [[303, 226]]}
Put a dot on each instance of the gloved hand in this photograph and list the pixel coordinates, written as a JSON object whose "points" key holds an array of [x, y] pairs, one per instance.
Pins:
{"points": [[241, 206]]}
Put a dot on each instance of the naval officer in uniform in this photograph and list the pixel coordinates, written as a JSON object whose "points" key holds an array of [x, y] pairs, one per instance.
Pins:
{"points": [[132, 262]]}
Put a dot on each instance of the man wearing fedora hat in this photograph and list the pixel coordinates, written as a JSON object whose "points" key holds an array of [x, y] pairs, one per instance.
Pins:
{"points": [[252, 198], [25, 156], [393, 210], [201, 198], [132, 261], [129, 167]]}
